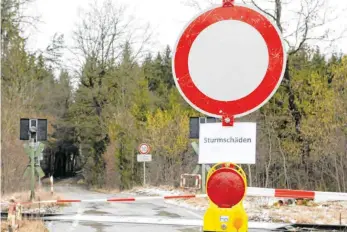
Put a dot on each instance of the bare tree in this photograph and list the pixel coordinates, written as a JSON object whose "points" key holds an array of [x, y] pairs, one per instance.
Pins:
{"points": [[104, 30], [300, 21]]}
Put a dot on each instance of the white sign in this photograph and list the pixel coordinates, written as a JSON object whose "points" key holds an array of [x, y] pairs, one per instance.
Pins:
{"points": [[144, 158], [236, 144]]}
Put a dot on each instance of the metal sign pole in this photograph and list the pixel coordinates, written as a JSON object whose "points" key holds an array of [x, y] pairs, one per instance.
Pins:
{"points": [[203, 179], [32, 166], [144, 173]]}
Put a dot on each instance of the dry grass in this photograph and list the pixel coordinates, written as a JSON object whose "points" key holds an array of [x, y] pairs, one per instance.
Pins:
{"points": [[264, 209], [40, 195], [307, 214], [200, 202], [104, 190], [27, 226], [167, 188], [258, 209]]}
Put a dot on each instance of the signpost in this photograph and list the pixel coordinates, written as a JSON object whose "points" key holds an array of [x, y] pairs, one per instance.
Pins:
{"points": [[144, 157], [227, 63]]}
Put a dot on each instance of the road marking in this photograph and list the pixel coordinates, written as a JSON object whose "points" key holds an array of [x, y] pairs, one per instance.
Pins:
{"points": [[76, 221], [185, 207], [156, 221]]}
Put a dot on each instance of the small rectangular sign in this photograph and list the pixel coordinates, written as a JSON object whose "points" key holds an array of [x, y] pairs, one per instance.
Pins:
{"points": [[235, 143], [224, 219], [144, 158]]}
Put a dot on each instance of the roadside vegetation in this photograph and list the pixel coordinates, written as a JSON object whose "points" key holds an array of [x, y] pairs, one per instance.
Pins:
{"points": [[27, 226], [126, 95]]}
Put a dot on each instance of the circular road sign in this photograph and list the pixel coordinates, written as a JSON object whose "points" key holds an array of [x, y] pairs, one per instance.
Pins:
{"points": [[229, 61], [225, 188], [144, 148]]}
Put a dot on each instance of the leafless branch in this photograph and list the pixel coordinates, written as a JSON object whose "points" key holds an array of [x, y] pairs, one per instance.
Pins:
{"points": [[104, 30], [308, 19]]}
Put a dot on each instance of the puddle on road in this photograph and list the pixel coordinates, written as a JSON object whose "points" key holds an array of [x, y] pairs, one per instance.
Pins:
{"points": [[96, 212], [99, 227], [195, 229], [158, 208], [167, 214], [141, 204]]}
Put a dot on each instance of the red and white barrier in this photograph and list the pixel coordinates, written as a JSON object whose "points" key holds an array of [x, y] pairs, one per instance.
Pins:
{"points": [[251, 191], [197, 181], [117, 199], [289, 193]]}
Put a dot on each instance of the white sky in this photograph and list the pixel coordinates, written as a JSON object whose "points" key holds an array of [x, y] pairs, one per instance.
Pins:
{"points": [[167, 19]]}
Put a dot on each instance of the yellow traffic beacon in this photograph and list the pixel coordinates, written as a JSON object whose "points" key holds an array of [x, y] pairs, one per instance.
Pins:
{"points": [[226, 188]]}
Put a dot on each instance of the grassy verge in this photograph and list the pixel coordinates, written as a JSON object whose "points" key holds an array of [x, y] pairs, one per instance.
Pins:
{"points": [[30, 225], [27, 226], [40, 195], [106, 191]]}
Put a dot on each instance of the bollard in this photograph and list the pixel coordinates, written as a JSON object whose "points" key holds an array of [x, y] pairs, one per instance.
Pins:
{"points": [[226, 188], [51, 180]]}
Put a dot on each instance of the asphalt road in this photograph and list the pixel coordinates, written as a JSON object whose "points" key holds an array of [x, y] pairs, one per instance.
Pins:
{"points": [[91, 214], [153, 216]]}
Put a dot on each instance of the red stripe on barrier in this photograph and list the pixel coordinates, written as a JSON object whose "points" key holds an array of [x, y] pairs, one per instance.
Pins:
{"points": [[294, 193], [67, 201], [121, 199], [24, 203], [182, 196]]}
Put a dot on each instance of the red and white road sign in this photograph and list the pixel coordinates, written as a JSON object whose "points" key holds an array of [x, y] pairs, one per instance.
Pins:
{"points": [[144, 148], [229, 61]]}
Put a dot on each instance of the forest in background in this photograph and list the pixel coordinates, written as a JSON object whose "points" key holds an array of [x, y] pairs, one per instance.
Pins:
{"points": [[123, 100]]}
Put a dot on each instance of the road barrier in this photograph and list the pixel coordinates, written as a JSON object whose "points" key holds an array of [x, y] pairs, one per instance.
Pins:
{"points": [[116, 199], [197, 181], [289, 193], [250, 192]]}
